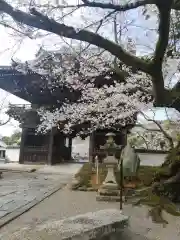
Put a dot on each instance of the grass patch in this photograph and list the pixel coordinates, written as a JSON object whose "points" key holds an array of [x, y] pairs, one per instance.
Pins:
{"points": [[145, 196], [84, 175], [145, 174]]}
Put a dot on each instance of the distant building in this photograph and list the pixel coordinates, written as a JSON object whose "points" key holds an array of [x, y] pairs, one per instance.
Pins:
{"points": [[3, 147]]}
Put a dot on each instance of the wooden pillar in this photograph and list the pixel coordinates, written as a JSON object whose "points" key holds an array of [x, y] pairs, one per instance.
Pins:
{"points": [[125, 137], [50, 149], [91, 146], [70, 148], [22, 145]]}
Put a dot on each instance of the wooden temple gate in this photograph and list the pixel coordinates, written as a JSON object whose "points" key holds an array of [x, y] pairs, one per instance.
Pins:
{"points": [[50, 148], [43, 148]]}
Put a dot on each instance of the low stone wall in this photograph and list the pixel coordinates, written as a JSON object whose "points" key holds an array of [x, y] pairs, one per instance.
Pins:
{"points": [[105, 224]]}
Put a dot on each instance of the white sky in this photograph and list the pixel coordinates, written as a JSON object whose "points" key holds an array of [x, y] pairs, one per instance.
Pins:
{"points": [[10, 47]]}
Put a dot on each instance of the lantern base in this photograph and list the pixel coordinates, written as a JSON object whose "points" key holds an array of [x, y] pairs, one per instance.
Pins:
{"points": [[105, 198], [110, 180], [109, 187], [108, 192]]}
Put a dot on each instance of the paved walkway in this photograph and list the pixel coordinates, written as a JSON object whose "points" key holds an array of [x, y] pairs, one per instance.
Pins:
{"points": [[70, 168], [21, 191], [65, 203]]}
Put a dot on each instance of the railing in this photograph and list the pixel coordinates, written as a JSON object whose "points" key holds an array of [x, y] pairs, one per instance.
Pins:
{"points": [[35, 154], [9, 70], [35, 149], [23, 106]]}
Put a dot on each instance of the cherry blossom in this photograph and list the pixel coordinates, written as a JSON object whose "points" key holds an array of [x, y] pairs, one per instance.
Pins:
{"points": [[110, 106], [156, 139]]}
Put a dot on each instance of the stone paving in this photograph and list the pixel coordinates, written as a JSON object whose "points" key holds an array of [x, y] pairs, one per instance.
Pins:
{"points": [[65, 203], [18, 190]]}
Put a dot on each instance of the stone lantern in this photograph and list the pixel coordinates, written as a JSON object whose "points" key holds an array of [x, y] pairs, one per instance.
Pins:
{"points": [[110, 186]]}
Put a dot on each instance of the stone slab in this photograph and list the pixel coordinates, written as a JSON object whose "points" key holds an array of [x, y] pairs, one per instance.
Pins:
{"points": [[25, 207], [20, 192], [90, 226], [6, 192], [2, 213], [104, 198], [69, 168]]}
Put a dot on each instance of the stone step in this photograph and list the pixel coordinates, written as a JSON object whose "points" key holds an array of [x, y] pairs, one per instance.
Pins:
{"points": [[103, 224]]}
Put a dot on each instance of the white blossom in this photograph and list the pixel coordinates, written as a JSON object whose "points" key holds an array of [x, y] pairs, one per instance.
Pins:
{"points": [[111, 104], [105, 107]]}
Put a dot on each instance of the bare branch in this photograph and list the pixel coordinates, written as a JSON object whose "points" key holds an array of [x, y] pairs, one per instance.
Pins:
{"points": [[121, 8], [40, 21], [126, 7], [15, 29], [100, 23], [176, 4], [4, 123], [144, 139], [166, 135]]}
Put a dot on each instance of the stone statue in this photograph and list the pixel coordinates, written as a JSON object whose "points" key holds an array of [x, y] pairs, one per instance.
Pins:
{"points": [[131, 161]]}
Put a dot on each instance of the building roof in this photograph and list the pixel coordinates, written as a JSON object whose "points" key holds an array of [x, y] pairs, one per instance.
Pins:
{"points": [[31, 87]]}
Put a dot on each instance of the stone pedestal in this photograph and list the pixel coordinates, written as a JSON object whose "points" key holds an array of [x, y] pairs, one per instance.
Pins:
{"points": [[109, 183], [109, 190]]}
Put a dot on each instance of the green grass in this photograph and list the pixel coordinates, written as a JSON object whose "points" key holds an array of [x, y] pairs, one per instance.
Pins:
{"points": [[145, 196], [145, 174]]}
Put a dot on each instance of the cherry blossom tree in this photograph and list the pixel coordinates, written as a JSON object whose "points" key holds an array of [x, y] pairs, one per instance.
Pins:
{"points": [[104, 98], [49, 18], [70, 20], [58, 18]]}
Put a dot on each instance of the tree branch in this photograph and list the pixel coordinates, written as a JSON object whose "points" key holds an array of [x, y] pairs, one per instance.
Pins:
{"points": [[159, 92], [4, 123], [121, 8], [127, 6], [144, 139], [166, 135], [37, 20], [176, 5], [164, 27]]}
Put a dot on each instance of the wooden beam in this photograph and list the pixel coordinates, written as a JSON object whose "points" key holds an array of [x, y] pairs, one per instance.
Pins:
{"points": [[22, 145], [91, 147], [50, 151], [70, 147]]}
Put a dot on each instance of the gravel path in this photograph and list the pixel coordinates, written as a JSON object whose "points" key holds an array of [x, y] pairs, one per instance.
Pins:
{"points": [[67, 203]]}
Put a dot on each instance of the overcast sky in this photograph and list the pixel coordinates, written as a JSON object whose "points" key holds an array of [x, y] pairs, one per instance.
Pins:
{"points": [[11, 47]]}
